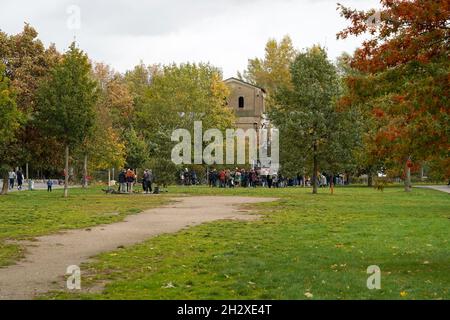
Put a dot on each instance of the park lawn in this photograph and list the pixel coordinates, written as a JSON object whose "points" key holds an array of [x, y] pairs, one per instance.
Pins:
{"points": [[319, 245], [25, 215]]}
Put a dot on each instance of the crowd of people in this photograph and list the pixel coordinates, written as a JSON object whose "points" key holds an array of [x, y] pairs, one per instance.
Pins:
{"points": [[252, 178], [215, 178]]}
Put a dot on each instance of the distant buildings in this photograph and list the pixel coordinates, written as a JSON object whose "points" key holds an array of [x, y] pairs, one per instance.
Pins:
{"points": [[248, 102]]}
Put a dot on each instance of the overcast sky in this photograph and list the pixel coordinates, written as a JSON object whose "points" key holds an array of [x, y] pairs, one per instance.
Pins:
{"points": [[225, 33]]}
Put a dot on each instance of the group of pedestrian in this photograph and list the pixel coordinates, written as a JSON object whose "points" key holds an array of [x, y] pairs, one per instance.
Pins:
{"points": [[188, 178], [13, 176], [128, 179], [227, 178]]}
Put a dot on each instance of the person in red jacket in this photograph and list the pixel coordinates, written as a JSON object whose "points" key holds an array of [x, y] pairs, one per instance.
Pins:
{"points": [[222, 178]]}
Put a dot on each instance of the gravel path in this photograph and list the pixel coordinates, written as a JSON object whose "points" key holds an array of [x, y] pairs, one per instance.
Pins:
{"points": [[438, 188], [48, 257]]}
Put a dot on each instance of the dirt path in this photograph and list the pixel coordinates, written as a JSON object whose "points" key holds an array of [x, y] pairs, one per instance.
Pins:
{"points": [[441, 188], [47, 259]]}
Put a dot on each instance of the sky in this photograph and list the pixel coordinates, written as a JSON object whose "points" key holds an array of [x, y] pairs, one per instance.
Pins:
{"points": [[225, 33]]}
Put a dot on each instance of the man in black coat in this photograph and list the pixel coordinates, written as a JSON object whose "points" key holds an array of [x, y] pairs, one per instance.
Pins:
{"points": [[122, 181]]}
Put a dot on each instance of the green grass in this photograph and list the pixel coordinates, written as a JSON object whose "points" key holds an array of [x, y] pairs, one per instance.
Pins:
{"points": [[319, 244], [25, 215]]}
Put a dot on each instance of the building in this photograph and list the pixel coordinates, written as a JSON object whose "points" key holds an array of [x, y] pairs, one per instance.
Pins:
{"points": [[248, 102]]}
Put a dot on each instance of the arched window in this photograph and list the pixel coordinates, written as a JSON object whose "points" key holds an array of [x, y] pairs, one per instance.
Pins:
{"points": [[241, 102]]}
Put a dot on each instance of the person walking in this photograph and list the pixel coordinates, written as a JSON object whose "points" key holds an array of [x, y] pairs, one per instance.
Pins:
{"points": [[12, 178], [19, 176]]}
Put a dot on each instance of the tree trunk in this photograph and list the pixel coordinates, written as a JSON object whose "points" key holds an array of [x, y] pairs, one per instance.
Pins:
{"points": [[85, 172], [316, 168], [369, 180], [5, 186], [407, 178], [66, 173], [26, 172]]}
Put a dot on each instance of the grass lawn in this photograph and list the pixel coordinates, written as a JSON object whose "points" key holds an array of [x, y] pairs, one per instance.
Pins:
{"points": [[320, 245], [24, 215]]}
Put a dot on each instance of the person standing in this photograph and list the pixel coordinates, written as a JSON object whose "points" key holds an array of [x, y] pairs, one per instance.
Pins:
{"points": [[49, 185], [237, 178], [193, 177], [222, 178], [130, 180], [150, 181], [147, 181], [19, 176], [12, 178], [269, 181], [144, 181], [122, 181]]}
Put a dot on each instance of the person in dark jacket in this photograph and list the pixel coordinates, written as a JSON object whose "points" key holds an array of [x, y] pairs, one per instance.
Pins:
{"points": [[147, 181], [19, 176], [122, 181], [49, 185]]}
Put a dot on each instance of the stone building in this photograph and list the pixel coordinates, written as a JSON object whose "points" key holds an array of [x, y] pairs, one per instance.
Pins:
{"points": [[248, 103]]}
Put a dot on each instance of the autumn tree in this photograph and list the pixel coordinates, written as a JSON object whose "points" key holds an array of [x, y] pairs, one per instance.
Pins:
{"points": [[314, 134], [27, 64], [104, 147], [67, 101], [404, 80], [272, 71]]}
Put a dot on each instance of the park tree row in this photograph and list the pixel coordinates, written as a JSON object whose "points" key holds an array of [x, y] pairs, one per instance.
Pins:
{"points": [[61, 108]]}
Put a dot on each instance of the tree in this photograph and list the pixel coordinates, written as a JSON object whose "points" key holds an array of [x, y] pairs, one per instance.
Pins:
{"points": [[28, 63], [178, 96], [138, 152], [10, 119], [272, 72], [403, 81], [314, 134], [66, 103], [366, 160]]}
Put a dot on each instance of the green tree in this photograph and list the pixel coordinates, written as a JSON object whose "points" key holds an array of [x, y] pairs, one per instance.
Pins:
{"points": [[67, 101], [314, 134], [137, 150], [178, 96], [10, 118]]}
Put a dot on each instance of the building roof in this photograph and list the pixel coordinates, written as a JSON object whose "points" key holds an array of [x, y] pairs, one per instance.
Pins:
{"points": [[244, 82]]}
